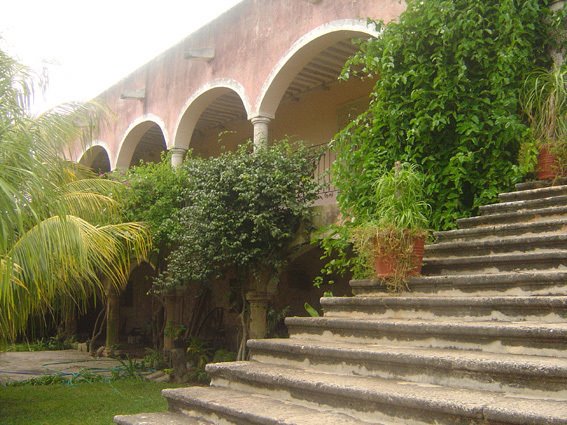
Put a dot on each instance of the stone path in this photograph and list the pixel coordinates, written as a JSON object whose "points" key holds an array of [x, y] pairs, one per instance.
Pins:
{"points": [[21, 366]]}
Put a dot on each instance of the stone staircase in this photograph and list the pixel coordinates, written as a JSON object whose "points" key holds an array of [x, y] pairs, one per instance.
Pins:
{"points": [[481, 338]]}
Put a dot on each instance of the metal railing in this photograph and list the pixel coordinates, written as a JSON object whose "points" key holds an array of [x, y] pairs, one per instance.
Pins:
{"points": [[328, 192]]}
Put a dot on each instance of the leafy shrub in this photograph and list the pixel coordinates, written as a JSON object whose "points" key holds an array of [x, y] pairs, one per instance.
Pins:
{"points": [[447, 99], [241, 212]]}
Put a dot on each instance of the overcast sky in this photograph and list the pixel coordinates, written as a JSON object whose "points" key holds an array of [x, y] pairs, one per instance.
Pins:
{"points": [[86, 46]]}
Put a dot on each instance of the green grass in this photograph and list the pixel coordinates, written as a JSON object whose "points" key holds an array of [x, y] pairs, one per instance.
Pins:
{"points": [[85, 403]]}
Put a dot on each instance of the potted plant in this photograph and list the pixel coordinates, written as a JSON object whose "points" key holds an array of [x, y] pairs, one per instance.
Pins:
{"points": [[391, 239], [544, 101]]}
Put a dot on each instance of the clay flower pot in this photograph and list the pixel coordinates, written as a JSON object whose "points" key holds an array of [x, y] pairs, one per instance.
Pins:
{"points": [[385, 265], [546, 164]]}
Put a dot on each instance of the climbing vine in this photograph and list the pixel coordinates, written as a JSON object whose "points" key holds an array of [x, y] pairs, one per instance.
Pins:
{"points": [[446, 98]]}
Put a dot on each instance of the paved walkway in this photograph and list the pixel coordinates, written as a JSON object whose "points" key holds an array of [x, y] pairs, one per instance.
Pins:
{"points": [[26, 365]]}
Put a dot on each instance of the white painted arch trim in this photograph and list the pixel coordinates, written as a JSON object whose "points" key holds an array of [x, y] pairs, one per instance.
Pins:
{"points": [[126, 150], [196, 105], [268, 101]]}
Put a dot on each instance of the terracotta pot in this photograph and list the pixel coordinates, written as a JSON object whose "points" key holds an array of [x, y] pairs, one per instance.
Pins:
{"points": [[546, 168], [385, 265]]}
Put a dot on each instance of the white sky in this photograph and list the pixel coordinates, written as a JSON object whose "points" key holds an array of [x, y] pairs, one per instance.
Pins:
{"points": [[86, 46]]}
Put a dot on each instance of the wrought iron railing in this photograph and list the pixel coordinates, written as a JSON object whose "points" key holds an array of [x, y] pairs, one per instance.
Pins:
{"points": [[327, 192]]}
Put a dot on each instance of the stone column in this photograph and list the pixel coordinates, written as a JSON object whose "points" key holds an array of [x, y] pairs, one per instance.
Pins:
{"points": [[258, 310], [177, 155], [260, 124], [112, 319], [170, 320]]}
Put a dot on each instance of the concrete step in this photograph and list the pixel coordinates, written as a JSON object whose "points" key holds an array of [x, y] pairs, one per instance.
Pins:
{"points": [[527, 338], [528, 375], [374, 399], [530, 204], [510, 309], [504, 244], [535, 193], [224, 405], [536, 184], [539, 283], [549, 260], [162, 418], [525, 216], [498, 231]]}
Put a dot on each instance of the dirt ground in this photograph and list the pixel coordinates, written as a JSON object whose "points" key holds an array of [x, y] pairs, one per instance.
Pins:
{"points": [[20, 366]]}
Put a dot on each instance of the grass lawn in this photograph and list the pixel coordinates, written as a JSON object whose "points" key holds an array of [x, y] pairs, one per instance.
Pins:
{"points": [[84, 403]]}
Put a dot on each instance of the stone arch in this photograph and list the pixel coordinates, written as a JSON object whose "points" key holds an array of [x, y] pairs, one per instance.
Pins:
{"points": [[144, 139], [299, 55], [198, 103], [97, 157]]}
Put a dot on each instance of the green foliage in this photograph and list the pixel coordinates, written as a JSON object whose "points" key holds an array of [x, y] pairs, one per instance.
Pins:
{"points": [[544, 100], [335, 241], [83, 403], [222, 355], [275, 322], [83, 376], [242, 211], [129, 369], [154, 197], [153, 359], [447, 99], [43, 344], [174, 331], [312, 311], [400, 200], [62, 237]]}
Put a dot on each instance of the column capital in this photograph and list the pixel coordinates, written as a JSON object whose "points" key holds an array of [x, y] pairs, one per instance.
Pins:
{"points": [[177, 150], [177, 155], [257, 297], [261, 119]]}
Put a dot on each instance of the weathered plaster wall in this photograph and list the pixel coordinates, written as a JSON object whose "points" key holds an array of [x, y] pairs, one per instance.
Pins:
{"points": [[250, 42]]}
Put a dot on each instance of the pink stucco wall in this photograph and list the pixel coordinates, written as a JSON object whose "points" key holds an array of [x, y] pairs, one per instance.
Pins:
{"points": [[250, 41]]}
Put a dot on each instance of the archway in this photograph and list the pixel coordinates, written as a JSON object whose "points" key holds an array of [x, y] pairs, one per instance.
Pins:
{"points": [[305, 97], [144, 141], [97, 159], [214, 119]]}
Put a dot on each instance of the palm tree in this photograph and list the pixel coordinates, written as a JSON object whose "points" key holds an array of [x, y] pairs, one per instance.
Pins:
{"points": [[62, 239]]}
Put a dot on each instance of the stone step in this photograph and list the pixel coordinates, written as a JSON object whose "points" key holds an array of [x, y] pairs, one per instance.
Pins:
{"points": [[393, 402], [527, 338], [534, 215], [223, 405], [504, 244], [535, 193], [161, 418], [524, 261], [503, 230], [538, 283], [511, 309], [530, 204], [528, 375], [536, 184]]}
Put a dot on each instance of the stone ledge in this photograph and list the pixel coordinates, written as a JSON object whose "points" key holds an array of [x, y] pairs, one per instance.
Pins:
{"points": [[523, 243], [523, 205], [165, 418], [244, 407], [499, 230], [536, 193], [379, 398], [511, 217], [541, 376]]}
